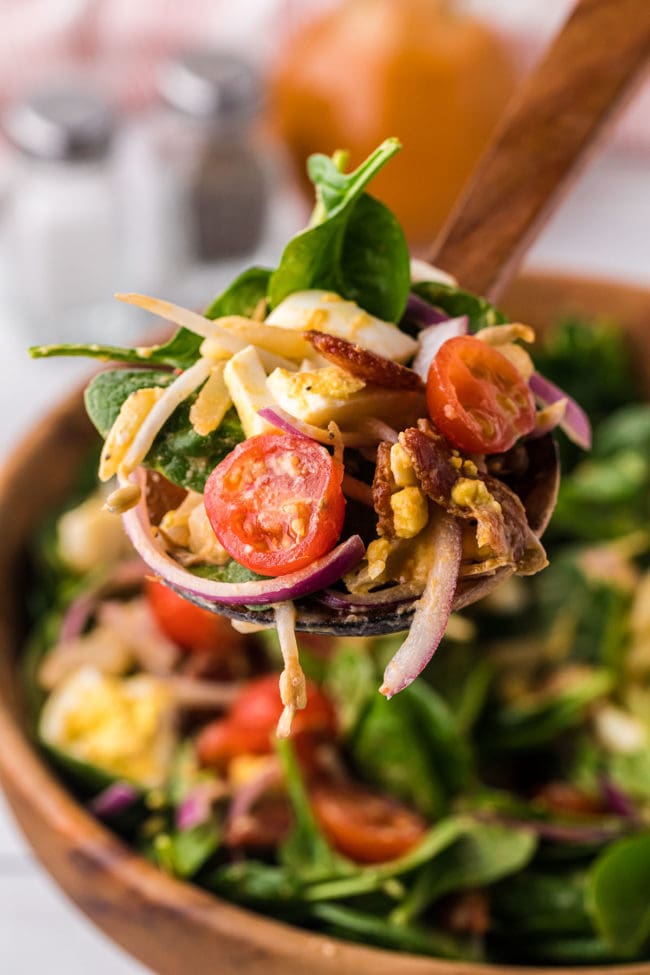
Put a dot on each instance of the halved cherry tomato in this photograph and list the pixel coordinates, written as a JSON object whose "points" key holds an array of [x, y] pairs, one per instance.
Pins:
{"points": [[363, 825], [251, 723], [275, 503], [191, 627], [477, 398]]}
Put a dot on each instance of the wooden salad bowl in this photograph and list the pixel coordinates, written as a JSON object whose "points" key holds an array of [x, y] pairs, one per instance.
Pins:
{"points": [[169, 925]]}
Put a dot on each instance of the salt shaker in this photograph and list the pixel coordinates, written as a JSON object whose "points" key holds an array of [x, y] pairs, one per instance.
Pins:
{"points": [[212, 100], [62, 230]]}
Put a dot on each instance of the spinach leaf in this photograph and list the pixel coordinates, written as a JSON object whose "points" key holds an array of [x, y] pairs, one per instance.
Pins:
{"points": [[351, 682], [254, 883], [178, 452], [619, 895], [481, 856], [456, 302], [513, 726], [182, 853], [354, 925], [366, 880], [535, 903], [305, 853], [357, 249], [242, 296], [231, 571], [182, 349], [411, 747]]}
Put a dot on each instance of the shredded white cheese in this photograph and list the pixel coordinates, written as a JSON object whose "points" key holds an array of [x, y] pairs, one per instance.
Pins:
{"points": [[293, 690]]}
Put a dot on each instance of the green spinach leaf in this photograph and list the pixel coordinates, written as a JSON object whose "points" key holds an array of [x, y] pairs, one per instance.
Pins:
{"points": [[456, 302], [182, 853], [357, 249], [178, 452], [182, 349], [487, 852], [619, 895]]}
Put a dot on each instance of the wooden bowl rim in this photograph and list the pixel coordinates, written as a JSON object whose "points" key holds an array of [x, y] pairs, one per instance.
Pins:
{"points": [[24, 771]]}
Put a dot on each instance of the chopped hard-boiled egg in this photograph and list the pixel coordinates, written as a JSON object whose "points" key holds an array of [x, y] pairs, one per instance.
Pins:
{"points": [[323, 311], [316, 396], [246, 381], [319, 396], [133, 413], [124, 726], [410, 512], [401, 467], [89, 536]]}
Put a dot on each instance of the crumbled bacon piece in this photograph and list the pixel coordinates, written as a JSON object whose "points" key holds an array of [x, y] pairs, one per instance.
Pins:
{"points": [[383, 486], [360, 362]]}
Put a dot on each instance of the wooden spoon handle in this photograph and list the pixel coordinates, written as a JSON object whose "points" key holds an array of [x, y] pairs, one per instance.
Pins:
{"points": [[580, 84]]}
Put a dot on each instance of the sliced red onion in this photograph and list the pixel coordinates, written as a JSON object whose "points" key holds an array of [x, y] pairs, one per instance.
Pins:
{"points": [[114, 799], [291, 424], [618, 801], [196, 807], [384, 599], [432, 611], [419, 312], [320, 574], [245, 798], [81, 609], [432, 338], [582, 832], [575, 422]]}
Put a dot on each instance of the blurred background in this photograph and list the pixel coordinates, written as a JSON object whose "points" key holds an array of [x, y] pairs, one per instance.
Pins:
{"points": [[160, 146]]}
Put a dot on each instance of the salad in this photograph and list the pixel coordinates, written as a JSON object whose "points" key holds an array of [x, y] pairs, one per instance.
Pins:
{"points": [[497, 809], [347, 443]]}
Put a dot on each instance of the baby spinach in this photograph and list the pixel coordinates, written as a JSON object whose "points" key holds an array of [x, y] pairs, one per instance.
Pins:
{"points": [[254, 883], [355, 925], [485, 853], [178, 452], [412, 747], [305, 853], [182, 853], [182, 350], [456, 302], [619, 895], [357, 248]]}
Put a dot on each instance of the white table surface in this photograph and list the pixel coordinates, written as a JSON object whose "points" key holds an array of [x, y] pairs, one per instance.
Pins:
{"points": [[603, 228]]}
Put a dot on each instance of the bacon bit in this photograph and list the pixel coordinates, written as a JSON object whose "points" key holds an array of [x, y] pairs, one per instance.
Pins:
{"points": [[383, 486], [162, 496], [362, 363], [566, 798], [467, 913], [502, 526]]}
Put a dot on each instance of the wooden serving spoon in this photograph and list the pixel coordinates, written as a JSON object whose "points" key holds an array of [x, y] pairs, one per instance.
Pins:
{"points": [[582, 82]]}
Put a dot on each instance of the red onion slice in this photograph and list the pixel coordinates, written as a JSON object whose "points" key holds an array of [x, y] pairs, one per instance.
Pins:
{"points": [[196, 807], [124, 575], [432, 338], [114, 799], [291, 424], [575, 422], [432, 611], [320, 574], [245, 798], [419, 312], [384, 599]]}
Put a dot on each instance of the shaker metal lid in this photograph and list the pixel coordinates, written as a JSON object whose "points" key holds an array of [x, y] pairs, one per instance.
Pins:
{"points": [[211, 84], [61, 123]]}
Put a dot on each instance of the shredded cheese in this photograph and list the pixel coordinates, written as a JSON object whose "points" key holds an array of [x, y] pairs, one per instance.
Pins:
{"points": [[173, 396], [293, 689], [212, 403]]}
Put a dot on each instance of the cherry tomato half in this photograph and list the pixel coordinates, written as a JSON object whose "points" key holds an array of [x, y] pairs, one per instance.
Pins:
{"points": [[187, 625], [275, 503], [477, 398], [363, 825], [251, 723]]}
